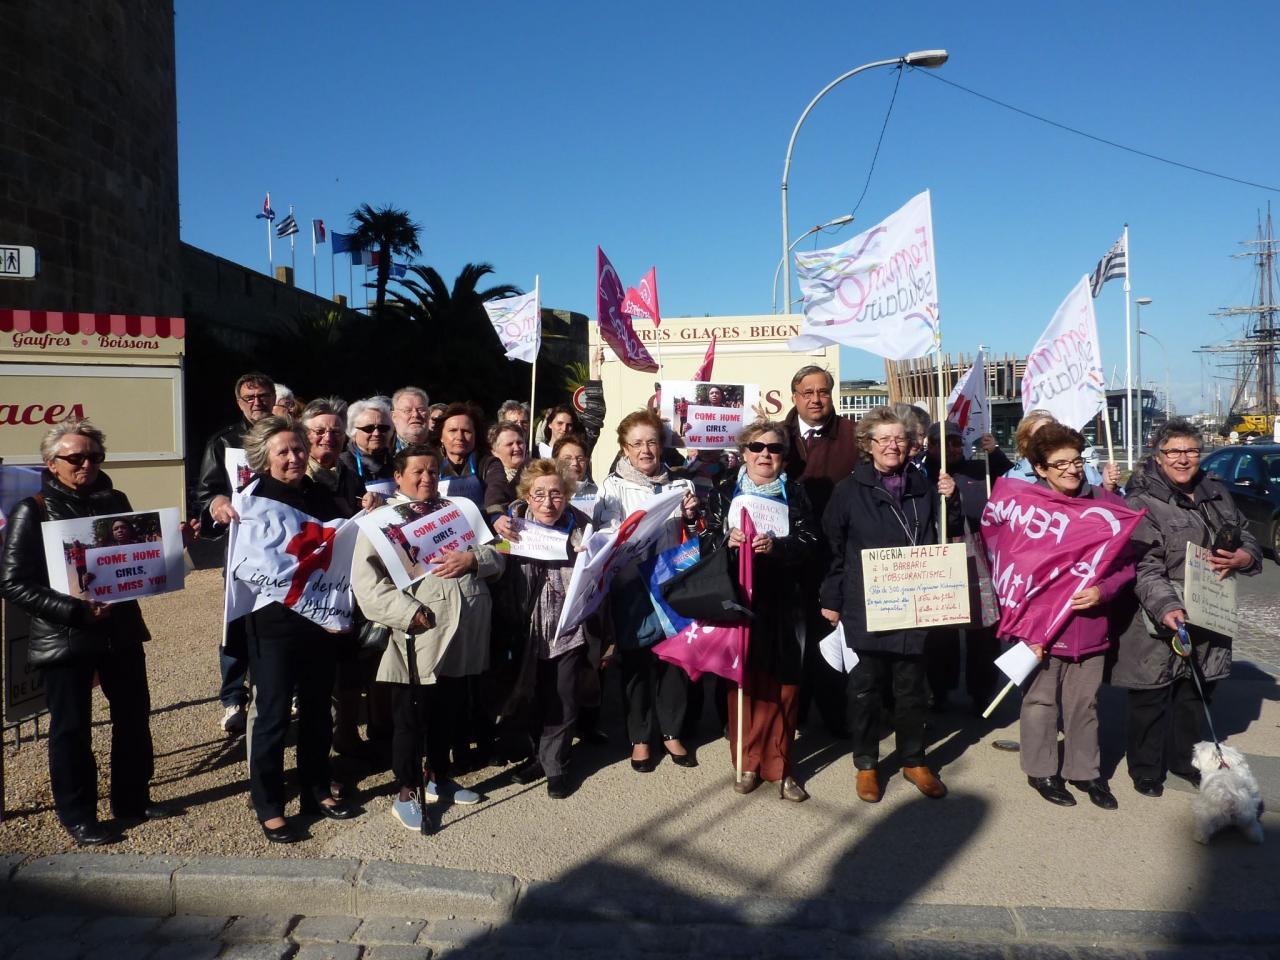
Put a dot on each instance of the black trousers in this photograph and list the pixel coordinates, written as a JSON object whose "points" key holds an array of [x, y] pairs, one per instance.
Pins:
{"points": [[556, 708], [656, 696], [279, 665], [906, 672], [1164, 724], [73, 773], [942, 657], [423, 730], [823, 686]]}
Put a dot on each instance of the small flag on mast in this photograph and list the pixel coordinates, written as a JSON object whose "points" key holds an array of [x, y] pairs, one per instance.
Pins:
{"points": [[343, 242], [317, 231], [287, 227], [267, 213], [1114, 264]]}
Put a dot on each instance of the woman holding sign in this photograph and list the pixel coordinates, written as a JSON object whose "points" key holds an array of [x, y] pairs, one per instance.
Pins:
{"points": [[885, 502], [72, 639], [655, 693], [549, 667], [775, 653], [1184, 506]]}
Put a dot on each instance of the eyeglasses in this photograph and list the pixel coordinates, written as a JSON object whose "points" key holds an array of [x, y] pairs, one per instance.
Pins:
{"points": [[322, 431], [814, 394], [1062, 465], [644, 444], [417, 413], [374, 428], [539, 497], [259, 400], [890, 441], [1179, 453], [77, 459], [775, 449]]}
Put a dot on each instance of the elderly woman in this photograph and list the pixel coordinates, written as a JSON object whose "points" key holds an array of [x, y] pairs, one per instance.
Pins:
{"points": [[439, 638], [883, 503], [288, 652], [286, 405], [369, 430], [1065, 685], [466, 470], [546, 693], [502, 472], [655, 692], [1184, 505], [775, 651], [325, 422], [72, 639], [561, 421]]}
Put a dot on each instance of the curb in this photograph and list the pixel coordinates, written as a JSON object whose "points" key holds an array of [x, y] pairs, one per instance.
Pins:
{"points": [[137, 885]]}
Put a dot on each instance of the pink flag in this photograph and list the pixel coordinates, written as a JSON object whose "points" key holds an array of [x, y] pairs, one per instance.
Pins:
{"points": [[711, 648], [642, 301], [615, 325], [703, 373], [1044, 547]]}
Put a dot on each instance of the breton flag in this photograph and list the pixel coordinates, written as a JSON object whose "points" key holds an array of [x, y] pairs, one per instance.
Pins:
{"points": [[642, 301], [1114, 264], [267, 213], [317, 231], [343, 242], [518, 323], [287, 227]]}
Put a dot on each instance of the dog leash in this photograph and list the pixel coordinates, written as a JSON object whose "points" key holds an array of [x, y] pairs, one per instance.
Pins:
{"points": [[1183, 647]]}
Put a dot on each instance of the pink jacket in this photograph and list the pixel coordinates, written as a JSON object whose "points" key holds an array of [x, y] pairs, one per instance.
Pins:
{"points": [[1087, 633]]}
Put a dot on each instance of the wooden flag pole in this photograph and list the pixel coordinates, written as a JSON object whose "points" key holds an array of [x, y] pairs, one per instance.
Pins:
{"points": [[740, 703], [942, 447], [1106, 426], [533, 377]]}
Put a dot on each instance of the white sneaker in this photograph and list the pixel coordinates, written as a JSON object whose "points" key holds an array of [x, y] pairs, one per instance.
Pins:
{"points": [[234, 720], [459, 794], [407, 813]]}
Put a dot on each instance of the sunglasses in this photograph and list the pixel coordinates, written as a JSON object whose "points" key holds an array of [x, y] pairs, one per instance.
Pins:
{"points": [[374, 428], [776, 449], [77, 459]]}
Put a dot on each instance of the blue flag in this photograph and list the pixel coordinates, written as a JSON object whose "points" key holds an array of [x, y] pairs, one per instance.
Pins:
{"points": [[342, 242], [399, 269], [661, 568]]}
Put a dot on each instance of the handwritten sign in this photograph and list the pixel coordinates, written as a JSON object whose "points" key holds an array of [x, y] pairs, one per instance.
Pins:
{"points": [[1211, 603], [411, 538], [769, 515], [538, 542], [907, 588], [113, 558]]}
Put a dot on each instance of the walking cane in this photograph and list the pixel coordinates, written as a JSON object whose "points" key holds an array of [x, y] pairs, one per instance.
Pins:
{"points": [[425, 827]]}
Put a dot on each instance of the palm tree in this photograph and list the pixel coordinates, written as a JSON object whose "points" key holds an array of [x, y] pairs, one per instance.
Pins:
{"points": [[390, 232]]}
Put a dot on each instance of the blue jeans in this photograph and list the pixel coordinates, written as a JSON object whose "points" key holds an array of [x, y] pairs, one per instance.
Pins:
{"points": [[233, 661]]}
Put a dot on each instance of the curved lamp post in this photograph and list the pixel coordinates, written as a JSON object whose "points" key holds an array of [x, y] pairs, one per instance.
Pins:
{"points": [[837, 222], [1141, 302], [920, 58]]}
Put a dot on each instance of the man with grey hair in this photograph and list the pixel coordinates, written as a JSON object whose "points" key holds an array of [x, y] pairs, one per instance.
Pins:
{"points": [[285, 401], [410, 412], [515, 412]]}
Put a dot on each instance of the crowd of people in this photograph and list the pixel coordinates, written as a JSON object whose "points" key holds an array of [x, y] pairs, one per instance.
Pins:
{"points": [[466, 668]]}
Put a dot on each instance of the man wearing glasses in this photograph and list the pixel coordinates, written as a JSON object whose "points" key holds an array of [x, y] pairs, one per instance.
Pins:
{"points": [[411, 415], [255, 395], [824, 450]]}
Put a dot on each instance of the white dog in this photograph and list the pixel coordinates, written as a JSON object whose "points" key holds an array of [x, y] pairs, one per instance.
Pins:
{"points": [[1228, 794]]}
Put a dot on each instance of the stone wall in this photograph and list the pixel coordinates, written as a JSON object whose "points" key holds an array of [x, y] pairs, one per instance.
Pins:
{"points": [[89, 154]]}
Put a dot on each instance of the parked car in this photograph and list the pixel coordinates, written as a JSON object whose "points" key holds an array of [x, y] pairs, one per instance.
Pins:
{"points": [[1252, 474]]}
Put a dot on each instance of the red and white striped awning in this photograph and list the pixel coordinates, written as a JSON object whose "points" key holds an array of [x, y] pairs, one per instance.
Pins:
{"points": [[107, 324]]}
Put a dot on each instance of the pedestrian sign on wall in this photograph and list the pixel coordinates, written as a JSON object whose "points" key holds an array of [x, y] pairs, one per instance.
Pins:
{"points": [[18, 263]]}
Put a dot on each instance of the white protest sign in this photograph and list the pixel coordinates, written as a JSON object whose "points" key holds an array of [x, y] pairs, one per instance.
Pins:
{"points": [[707, 416], [118, 557], [383, 488], [236, 463], [769, 514], [537, 541], [836, 652], [906, 588], [1064, 372], [411, 536], [1211, 603], [607, 551], [1017, 662], [877, 292]]}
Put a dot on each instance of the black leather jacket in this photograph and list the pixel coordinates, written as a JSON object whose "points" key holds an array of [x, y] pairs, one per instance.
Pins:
{"points": [[213, 480], [61, 629]]}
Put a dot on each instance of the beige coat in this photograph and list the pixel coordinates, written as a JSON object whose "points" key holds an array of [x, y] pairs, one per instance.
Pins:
{"points": [[457, 643]]}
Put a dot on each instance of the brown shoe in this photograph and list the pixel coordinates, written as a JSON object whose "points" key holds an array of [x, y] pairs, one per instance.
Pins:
{"points": [[925, 781], [869, 786], [750, 780], [790, 790]]}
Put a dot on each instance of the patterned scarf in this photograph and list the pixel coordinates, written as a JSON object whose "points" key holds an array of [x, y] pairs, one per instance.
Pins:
{"points": [[771, 489], [626, 471]]}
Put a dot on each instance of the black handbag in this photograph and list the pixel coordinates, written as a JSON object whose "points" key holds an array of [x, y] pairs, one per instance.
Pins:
{"points": [[709, 591]]}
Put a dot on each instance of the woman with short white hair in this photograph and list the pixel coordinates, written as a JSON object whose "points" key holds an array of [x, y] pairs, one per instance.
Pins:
{"points": [[369, 435]]}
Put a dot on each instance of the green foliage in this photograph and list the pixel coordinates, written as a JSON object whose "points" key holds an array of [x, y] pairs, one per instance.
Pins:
{"points": [[390, 231]]}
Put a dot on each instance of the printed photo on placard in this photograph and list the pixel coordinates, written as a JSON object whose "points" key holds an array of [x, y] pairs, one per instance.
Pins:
{"points": [[119, 557], [707, 416], [236, 462], [411, 537]]}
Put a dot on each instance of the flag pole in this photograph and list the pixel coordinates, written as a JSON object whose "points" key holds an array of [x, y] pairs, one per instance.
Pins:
{"points": [[533, 373], [271, 260], [1128, 357], [942, 445], [293, 256], [741, 632], [333, 280], [315, 281]]}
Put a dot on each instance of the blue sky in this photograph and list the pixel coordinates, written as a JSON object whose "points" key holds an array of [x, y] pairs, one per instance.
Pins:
{"points": [[523, 134]]}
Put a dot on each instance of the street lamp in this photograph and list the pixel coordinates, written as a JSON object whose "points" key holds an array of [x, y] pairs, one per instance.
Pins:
{"points": [[920, 58], [1168, 377], [837, 222], [1141, 302]]}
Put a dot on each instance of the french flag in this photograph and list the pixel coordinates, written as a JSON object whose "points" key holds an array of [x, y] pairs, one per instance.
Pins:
{"points": [[317, 231], [267, 213]]}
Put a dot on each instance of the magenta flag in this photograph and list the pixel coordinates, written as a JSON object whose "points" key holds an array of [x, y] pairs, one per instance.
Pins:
{"points": [[642, 301], [1045, 547], [709, 647], [615, 325]]}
